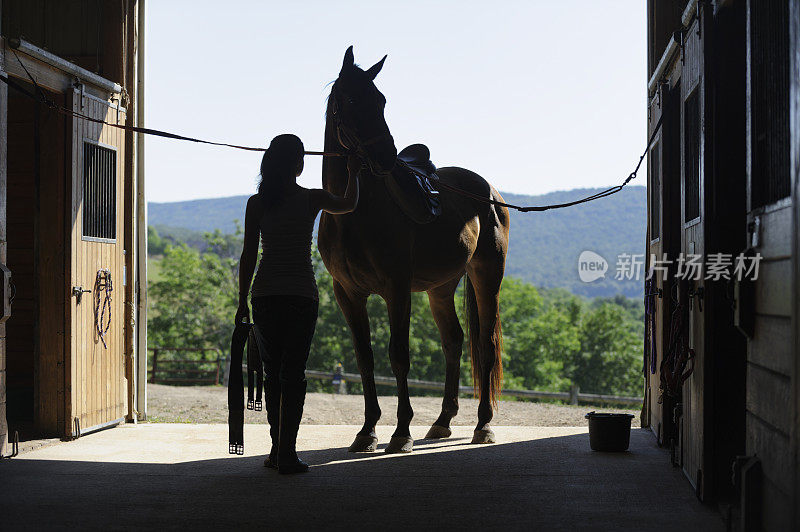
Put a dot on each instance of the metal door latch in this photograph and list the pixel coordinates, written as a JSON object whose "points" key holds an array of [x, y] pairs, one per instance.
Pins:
{"points": [[78, 292], [7, 293], [699, 292]]}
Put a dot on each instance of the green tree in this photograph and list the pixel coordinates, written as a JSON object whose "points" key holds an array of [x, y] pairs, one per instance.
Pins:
{"points": [[155, 244], [609, 360], [193, 303], [551, 337]]}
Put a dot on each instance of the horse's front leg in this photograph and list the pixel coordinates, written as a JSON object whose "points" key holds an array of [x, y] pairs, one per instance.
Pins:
{"points": [[354, 309], [399, 306]]}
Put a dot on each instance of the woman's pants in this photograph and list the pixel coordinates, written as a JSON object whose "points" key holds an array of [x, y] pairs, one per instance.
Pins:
{"points": [[286, 324]]}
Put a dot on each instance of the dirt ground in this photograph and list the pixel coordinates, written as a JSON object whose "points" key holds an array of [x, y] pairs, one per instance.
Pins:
{"points": [[208, 404]]}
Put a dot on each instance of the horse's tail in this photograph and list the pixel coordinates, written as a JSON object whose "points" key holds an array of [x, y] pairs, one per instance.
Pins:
{"points": [[474, 334]]}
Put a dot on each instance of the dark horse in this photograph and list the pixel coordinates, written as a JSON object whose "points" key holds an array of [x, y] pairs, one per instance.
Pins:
{"points": [[377, 249]]}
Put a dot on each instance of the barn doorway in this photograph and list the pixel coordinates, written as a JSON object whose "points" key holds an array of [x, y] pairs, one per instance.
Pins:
{"points": [[35, 205]]}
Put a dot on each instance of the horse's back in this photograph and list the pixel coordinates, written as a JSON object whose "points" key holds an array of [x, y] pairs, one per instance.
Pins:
{"points": [[444, 247], [471, 182]]}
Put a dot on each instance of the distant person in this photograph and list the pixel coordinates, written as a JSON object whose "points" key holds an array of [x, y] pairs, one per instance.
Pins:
{"points": [[284, 292]]}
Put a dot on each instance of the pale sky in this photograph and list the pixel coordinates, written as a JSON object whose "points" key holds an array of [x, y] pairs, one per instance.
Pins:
{"points": [[535, 96]]}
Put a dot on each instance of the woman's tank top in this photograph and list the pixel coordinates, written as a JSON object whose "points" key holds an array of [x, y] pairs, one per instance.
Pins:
{"points": [[285, 267]]}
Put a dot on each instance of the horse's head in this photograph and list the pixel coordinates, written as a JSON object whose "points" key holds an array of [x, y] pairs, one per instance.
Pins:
{"points": [[356, 108]]}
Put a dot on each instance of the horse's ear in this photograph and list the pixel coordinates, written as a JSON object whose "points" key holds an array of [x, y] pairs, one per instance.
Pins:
{"points": [[348, 59], [374, 69]]}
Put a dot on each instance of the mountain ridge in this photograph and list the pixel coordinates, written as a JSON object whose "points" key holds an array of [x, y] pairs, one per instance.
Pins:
{"points": [[543, 248]]}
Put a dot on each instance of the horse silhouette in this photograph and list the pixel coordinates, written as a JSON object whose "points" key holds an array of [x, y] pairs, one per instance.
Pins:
{"points": [[377, 249]]}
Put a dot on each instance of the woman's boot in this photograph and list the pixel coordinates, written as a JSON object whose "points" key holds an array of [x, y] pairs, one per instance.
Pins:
{"points": [[272, 400], [293, 397]]}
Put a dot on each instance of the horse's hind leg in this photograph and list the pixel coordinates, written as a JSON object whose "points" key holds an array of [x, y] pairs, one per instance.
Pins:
{"points": [[486, 282], [355, 313], [444, 314]]}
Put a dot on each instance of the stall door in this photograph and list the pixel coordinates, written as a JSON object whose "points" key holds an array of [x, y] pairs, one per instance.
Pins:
{"points": [[654, 330], [692, 247], [664, 230], [96, 267]]}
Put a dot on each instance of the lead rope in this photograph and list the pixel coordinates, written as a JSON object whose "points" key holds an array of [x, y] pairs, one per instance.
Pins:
{"points": [[651, 351], [40, 96], [103, 286], [602, 194], [677, 356]]}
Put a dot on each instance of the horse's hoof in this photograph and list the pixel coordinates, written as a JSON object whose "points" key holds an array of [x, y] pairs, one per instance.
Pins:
{"points": [[483, 436], [400, 444], [364, 443], [437, 432]]}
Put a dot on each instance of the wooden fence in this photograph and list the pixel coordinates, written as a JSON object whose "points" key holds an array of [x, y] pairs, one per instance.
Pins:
{"points": [[168, 366], [574, 396], [215, 371]]}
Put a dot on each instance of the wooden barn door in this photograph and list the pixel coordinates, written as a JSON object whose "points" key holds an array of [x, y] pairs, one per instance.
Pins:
{"points": [[97, 371], [692, 421], [654, 331], [664, 235]]}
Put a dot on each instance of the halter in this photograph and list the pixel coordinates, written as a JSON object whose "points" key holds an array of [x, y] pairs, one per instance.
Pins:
{"points": [[346, 135]]}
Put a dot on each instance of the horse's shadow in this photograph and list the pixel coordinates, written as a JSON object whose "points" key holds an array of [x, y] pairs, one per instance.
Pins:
{"points": [[340, 454]]}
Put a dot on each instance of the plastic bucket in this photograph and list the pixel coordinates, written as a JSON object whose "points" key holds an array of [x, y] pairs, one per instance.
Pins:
{"points": [[609, 432]]}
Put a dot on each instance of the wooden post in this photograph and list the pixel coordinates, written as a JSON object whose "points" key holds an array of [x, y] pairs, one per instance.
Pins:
{"points": [[574, 390], [219, 361], [155, 365], [227, 374]]}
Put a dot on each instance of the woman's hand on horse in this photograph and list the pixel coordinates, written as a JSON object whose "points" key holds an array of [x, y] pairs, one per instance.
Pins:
{"points": [[242, 313]]}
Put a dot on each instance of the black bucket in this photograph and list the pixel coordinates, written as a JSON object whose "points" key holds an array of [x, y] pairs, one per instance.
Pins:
{"points": [[609, 432]]}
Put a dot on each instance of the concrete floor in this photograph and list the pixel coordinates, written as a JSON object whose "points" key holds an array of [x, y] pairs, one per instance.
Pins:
{"points": [[180, 476]]}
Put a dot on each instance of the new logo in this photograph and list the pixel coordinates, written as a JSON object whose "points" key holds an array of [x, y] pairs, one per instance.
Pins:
{"points": [[591, 266]]}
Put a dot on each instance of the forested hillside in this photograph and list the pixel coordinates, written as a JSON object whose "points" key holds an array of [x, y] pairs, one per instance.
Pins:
{"points": [[544, 246]]}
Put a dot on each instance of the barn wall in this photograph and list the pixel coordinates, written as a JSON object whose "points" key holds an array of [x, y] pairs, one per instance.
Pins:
{"points": [[725, 205], [52, 290], [84, 32], [771, 358], [664, 17], [741, 398], [794, 125], [99, 37], [3, 254], [21, 327]]}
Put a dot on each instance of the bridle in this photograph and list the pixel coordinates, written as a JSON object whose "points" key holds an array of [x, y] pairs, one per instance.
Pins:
{"points": [[347, 136]]}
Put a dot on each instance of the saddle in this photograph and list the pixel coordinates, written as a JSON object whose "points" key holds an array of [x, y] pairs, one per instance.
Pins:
{"points": [[410, 186]]}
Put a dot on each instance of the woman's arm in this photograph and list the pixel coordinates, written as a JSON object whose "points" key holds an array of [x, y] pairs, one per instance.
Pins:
{"points": [[327, 202], [247, 262]]}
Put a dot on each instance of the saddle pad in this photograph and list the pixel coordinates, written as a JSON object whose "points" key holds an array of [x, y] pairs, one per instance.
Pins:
{"points": [[414, 193]]}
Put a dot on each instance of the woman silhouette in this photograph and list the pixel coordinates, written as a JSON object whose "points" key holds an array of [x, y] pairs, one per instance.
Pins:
{"points": [[284, 291]]}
